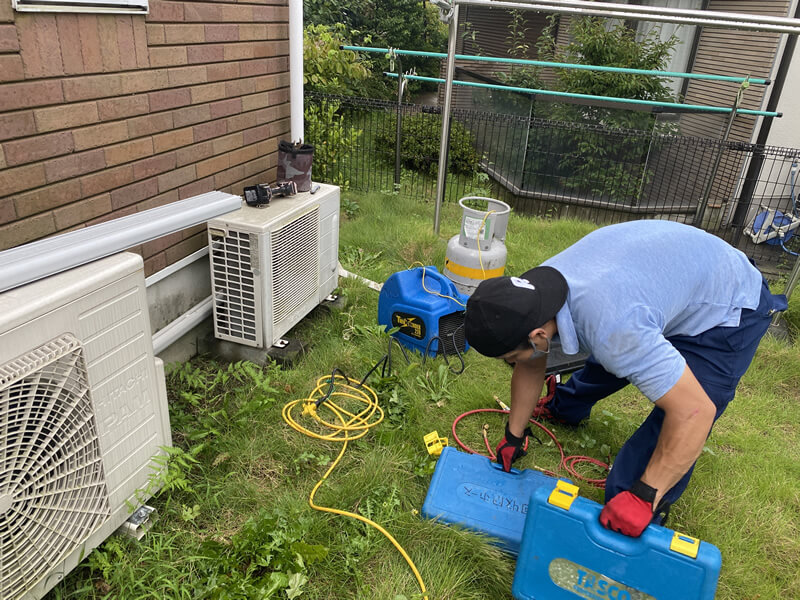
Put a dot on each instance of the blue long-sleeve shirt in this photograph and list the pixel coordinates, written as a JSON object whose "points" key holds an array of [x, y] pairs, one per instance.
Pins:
{"points": [[634, 284]]}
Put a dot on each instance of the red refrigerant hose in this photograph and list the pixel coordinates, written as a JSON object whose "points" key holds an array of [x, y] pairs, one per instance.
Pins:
{"points": [[567, 463]]}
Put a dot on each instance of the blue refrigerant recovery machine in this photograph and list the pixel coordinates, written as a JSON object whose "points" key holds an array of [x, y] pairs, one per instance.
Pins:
{"points": [[428, 310]]}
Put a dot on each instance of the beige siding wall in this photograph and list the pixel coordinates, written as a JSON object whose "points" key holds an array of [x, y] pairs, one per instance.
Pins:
{"points": [[485, 31], [102, 116], [737, 53]]}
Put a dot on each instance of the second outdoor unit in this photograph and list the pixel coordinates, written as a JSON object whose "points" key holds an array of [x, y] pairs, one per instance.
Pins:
{"points": [[270, 266], [83, 412]]}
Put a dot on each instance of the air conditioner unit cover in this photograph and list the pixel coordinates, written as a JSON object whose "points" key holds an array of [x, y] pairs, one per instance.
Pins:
{"points": [[271, 266], [82, 413]]}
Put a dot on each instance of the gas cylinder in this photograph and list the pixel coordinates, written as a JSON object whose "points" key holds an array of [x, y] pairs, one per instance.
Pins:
{"points": [[478, 252]]}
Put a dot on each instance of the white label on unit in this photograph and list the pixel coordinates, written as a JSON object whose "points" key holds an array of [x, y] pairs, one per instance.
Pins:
{"points": [[472, 227], [254, 265]]}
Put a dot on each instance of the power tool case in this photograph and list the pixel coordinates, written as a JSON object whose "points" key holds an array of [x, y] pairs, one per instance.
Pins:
{"points": [[567, 554]]}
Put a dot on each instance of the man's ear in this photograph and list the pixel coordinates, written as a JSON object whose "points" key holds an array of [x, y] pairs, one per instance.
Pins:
{"points": [[537, 332]]}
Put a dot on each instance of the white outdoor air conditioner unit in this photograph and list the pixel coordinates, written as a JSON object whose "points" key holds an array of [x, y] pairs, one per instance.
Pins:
{"points": [[271, 266], [83, 411]]}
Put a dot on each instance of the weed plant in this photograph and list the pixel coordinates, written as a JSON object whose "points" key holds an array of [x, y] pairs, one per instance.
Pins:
{"points": [[234, 516]]}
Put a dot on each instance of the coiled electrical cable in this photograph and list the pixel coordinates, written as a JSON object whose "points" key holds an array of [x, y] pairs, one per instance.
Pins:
{"points": [[347, 426]]}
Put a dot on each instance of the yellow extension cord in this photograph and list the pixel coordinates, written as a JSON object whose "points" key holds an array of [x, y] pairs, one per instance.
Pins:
{"points": [[350, 427], [445, 296], [354, 426]]}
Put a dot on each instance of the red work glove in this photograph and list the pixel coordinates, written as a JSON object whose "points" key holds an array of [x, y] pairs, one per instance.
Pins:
{"points": [[629, 512], [510, 448]]}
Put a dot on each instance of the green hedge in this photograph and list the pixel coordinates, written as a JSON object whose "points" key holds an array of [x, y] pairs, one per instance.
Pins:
{"points": [[420, 144]]}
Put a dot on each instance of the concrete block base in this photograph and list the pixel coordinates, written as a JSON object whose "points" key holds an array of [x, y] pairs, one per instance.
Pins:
{"points": [[283, 355], [233, 352]]}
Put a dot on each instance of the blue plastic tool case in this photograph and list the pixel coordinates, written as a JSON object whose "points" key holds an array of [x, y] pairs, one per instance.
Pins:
{"points": [[473, 491], [427, 308], [566, 554]]}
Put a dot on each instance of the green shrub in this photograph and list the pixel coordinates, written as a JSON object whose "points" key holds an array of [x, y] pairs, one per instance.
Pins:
{"points": [[584, 147], [327, 68], [405, 24], [333, 140], [420, 144], [613, 166], [266, 558]]}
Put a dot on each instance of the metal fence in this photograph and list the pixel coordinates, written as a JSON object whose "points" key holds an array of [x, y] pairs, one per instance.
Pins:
{"points": [[743, 193]]}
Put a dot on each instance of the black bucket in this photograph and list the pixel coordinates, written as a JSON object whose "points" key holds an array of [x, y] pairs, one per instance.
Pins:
{"points": [[294, 164]]}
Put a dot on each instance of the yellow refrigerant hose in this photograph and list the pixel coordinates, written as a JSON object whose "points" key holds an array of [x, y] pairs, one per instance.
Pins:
{"points": [[349, 427]]}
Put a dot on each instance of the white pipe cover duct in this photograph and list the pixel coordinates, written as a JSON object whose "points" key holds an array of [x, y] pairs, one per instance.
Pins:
{"points": [[36, 260]]}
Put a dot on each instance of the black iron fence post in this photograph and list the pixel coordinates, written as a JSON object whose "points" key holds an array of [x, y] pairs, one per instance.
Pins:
{"points": [[746, 196], [679, 166], [701, 207]]}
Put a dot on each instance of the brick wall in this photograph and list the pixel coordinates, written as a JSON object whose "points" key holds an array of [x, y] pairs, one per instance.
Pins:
{"points": [[105, 115]]}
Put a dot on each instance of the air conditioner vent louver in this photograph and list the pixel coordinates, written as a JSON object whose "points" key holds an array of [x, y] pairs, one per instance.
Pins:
{"points": [[53, 494], [295, 264], [234, 287]]}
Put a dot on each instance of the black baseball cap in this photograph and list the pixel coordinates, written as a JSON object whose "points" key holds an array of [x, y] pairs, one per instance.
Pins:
{"points": [[502, 311]]}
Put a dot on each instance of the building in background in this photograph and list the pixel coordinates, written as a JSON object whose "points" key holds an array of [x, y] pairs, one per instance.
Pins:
{"points": [[110, 110], [486, 31]]}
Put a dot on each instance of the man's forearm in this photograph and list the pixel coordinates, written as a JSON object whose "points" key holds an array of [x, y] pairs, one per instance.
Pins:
{"points": [[678, 447], [688, 417], [526, 387]]}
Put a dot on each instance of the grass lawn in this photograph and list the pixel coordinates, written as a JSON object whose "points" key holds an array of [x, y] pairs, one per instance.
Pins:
{"points": [[235, 522]]}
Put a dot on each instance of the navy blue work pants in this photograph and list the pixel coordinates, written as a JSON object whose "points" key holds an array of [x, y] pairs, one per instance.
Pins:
{"points": [[718, 358]]}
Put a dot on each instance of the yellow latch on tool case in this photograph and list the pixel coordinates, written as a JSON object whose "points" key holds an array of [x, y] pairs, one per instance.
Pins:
{"points": [[434, 443], [563, 495], [685, 544]]}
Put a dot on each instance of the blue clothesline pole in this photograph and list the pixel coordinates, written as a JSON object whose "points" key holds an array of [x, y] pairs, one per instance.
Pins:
{"points": [[557, 65], [508, 88]]}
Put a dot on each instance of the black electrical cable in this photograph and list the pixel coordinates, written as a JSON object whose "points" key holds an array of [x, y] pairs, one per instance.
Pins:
{"points": [[332, 384], [393, 340]]}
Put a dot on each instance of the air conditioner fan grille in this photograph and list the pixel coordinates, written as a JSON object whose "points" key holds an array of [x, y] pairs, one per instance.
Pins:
{"points": [[234, 287], [295, 264], [53, 494]]}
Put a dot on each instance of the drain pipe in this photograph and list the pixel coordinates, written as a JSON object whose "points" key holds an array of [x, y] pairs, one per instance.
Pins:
{"points": [[296, 69], [175, 330], [171, 333], [373, 285]]}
